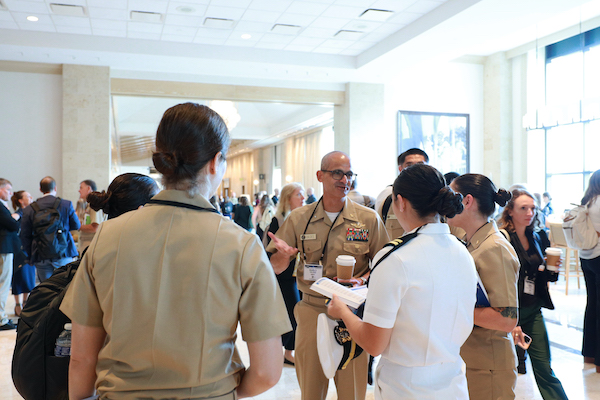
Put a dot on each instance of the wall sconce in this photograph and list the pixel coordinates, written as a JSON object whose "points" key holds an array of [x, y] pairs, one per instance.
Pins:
{"points": [[288, 178]]}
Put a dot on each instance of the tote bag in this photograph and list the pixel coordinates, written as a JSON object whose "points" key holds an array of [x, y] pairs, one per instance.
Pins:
{"points": [[579, 230]]}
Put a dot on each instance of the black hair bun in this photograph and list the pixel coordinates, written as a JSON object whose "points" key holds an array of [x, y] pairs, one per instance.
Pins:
{"points": [[100, 201], [502, 197], [165, 163], [448, 203]]}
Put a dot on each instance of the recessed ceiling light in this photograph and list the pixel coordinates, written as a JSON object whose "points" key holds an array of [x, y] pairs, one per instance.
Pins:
{"points": [[185, 9], [219, 23], [68, 9], [373, 14], [285, 29], [348, 35], [246, 36], [33, 18], [146, 16]]}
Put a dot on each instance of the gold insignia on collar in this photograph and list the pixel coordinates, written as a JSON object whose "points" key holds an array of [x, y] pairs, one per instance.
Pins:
{"points": [[358, 225]]}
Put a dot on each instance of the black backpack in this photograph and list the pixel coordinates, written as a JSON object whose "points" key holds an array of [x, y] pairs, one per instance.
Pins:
{"points": [[48, 232], [36, 372]]}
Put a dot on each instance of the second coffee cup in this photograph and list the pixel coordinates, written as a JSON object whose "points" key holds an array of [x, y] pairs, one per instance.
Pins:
{"points": [[345, 267]]}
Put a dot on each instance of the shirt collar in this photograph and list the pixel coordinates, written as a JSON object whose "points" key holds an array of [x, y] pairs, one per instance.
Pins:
{"points": [[182, 197], [483, 233], [432, 228], [348, 212]]}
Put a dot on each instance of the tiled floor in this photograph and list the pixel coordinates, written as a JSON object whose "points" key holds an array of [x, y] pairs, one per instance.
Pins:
{"points": [[564, 326]]}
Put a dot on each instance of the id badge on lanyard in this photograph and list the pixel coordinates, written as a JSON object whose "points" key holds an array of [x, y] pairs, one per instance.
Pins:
{"points": [[313, 272], [529, 287]]}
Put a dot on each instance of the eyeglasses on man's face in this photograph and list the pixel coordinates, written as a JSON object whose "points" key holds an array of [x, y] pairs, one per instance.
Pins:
{"points": [[338, 174]]}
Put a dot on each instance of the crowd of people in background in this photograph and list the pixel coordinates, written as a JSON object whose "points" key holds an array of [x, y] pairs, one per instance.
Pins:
{"points": [[421, 313]]}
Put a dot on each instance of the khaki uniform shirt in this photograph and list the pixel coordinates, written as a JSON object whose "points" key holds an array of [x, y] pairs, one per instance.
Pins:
{"points": [[169, 285], [498, 267], [354, 222]]}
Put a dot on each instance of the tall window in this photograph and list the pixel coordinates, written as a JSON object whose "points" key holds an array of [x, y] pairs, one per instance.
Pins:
{"points": [[564, 152]]}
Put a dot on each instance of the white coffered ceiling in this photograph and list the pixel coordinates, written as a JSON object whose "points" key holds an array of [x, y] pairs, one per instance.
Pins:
{"points": [[313, 44]]}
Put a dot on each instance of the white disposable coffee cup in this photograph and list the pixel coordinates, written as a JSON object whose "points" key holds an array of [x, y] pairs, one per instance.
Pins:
{"points": [[345, 267], [552, 258]]}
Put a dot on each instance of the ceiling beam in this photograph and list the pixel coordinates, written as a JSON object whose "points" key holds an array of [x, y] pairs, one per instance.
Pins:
{"points": [[208, 91]]}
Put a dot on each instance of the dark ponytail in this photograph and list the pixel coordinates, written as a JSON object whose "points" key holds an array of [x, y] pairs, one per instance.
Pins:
{"points": [[483, 190], [127, 192], [425, 188], [188, 137]]}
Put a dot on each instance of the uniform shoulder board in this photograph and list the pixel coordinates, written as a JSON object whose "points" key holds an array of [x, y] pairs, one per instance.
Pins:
{"points": [[395, 245]]}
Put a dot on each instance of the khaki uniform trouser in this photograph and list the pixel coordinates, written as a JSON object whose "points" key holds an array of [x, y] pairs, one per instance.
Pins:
{"points": [[165, 395], [491, 385], [351, 383]]}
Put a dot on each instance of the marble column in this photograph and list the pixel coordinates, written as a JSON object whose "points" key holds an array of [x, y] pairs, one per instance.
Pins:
{"points": [[86, 128], [498, 120], [358, 124]]}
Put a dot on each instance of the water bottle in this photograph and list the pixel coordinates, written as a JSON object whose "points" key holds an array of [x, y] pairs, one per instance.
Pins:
{"points": [[63, 343]]}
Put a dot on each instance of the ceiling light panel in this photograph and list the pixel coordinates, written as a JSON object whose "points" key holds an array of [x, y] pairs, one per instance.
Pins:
{"points": [[295, 19], [283, 29], [372, 14], [219, 23], [27, 6], [67, 9], [157, 6], [348, 35], [146, 16]]}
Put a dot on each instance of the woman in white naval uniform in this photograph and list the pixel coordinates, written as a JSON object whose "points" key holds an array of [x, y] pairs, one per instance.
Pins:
{"points": [[419, 308]]}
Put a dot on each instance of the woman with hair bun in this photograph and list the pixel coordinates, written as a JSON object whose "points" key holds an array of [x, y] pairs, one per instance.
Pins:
{"points": [[489, 351], [125, 193], [160, 292], [419, 308]]}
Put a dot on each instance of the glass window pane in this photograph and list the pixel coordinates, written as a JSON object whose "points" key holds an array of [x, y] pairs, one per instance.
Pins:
{"points": [[592, 145], [565, 189], [536, 160], [591, 59], [564, 79], [564, 149]]}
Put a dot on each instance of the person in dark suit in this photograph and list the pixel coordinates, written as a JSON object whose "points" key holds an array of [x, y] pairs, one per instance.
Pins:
{"points": [[9, 228], [69, 220]]}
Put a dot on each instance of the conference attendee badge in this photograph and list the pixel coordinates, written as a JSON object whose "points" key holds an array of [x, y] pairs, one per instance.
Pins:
{"points": [[529, 286], [313, 272]]}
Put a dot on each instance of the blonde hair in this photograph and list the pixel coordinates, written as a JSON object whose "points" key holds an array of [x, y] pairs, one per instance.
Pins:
{"points": [[283, 206]]}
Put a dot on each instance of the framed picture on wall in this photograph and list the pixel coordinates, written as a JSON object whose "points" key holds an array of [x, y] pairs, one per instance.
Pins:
{"points": [[226, 183], [443, 136]]}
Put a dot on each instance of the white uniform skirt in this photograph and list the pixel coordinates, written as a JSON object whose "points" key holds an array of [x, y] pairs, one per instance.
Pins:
{"points": [[436, 382]]}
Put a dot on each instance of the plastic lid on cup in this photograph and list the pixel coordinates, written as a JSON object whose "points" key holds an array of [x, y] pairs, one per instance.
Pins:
{"points": [[345, 260], [553, 251]]}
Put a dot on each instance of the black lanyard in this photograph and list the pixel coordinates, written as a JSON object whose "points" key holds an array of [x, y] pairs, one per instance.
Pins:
{"points": [[182, 205], [330, 228]]}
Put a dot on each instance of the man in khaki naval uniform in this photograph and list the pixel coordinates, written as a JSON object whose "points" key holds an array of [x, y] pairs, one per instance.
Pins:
{"points": [[405, 160], [488, 353], [309, 231]]}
